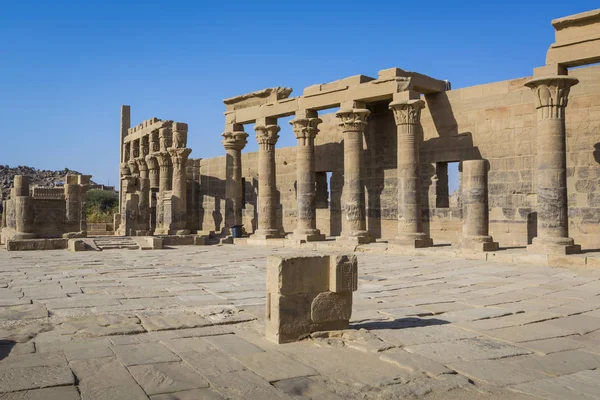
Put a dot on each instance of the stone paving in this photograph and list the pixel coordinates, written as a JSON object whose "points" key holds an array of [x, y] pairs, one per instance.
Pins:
{"points": [[188, 323]]}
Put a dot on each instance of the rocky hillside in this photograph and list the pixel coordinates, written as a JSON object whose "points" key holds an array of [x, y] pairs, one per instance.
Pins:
{"points": [[36, 177]]}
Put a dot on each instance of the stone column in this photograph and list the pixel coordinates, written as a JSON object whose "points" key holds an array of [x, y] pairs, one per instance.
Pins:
{"points": [[475, 227], [407, 114], [179, 157], [234, 141], [353, 122], [129, 208], [144, 194], [84, 184], [305, 128], [266, 135], [164, 190], [24, 208], [550, 95], [72, 203]]}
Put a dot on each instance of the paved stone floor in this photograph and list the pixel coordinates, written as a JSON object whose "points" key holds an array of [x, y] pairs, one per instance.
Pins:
{"points": [[187, 323]]}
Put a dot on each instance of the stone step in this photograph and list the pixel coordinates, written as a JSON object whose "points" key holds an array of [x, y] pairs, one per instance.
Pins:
{"points": [[110, 243]]}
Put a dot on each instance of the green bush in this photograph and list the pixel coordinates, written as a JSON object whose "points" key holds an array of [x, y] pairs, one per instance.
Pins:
{"points": [[101, 205]]}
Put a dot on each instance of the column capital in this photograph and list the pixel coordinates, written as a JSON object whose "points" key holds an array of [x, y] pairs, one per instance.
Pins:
{"points": [[144, 147], [234, 140], [353, 119], [551, 94], [179, 156], [407, 111], [133, 167], [152, 162], [141, 164], [125, 169], [267, 134], [305, 128], [163, 158]]}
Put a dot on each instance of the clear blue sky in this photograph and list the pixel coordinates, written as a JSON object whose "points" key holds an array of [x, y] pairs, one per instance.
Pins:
{"points": [[67, 66]]}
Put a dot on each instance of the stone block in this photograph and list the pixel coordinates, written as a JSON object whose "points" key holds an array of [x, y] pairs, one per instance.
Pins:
{"points": [[309, 294], [36, 244], [76, 245], [148, 242]]}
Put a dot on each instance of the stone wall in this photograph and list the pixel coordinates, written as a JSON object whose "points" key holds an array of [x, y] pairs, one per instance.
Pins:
{"points": [[495, 122]]}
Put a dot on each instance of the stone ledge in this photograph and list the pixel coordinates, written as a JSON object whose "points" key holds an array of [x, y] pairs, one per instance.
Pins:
{"points": [[36, 244]]}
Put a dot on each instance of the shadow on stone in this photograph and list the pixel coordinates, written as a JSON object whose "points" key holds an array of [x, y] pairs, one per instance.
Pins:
{"points": [[402, 323], [5, 348]]}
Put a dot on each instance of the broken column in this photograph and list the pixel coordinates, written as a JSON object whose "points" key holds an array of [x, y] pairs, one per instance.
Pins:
{"points": [[354, 225], [305, 128], [234, 141], [72, 203], [551, 95], [266, 135], [309, 294], [407, 114], [23, 208], [475, 227]]}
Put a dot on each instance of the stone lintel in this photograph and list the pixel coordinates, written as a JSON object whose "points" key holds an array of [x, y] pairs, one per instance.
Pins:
{"points": [[577, 40], [343, 84], [257, 98], [421, 83], [145, 128]]}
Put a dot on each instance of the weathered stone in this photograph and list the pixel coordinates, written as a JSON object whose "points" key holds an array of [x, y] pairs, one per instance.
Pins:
{"points": [[274, 366], [331, 307], [52, 393], [167, 377], [147, 353], [302, 387]]}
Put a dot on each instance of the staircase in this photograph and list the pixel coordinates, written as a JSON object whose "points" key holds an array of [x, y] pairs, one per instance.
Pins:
{"points": [[116, 242]]}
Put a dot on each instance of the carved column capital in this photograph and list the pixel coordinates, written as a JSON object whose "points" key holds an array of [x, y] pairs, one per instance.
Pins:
{"points": [[179, 156], [305, 128], [551, 94], [125, 169], [179, 134], [144, 147], [267, 135], [164, 160], [407, 112], [133, 167], [353, 119], [141, 164], [152, 162], [234, 140]]}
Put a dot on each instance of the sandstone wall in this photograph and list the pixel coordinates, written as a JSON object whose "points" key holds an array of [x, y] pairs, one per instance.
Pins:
{"points": [[495, 122]]}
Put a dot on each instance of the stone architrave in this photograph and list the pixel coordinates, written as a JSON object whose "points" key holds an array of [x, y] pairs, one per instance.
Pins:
{"points": [[551, 95], [24, 208], [305, 128], [407, 114], [353, 122], [475, 227], [179, 157], [234, 141], [267, 135]]}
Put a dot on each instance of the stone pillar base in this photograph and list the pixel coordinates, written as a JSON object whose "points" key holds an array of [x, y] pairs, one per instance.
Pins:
{"points": [[179, 232], [356, 238], [478, 243], [553, 246], [311, 235], [413, 240], [263, 234]]}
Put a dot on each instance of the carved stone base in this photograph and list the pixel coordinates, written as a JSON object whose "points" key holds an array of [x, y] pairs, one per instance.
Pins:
{"points": [[356, 238], [412, 240], [304, 235], [478, 243], [553, 246], [263, 234]]}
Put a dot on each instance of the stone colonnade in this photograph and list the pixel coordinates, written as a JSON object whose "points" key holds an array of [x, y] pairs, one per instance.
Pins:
{"points": [[154, 170]]}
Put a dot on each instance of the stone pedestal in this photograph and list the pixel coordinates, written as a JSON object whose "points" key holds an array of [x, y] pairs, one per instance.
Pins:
{"points": [[305, 129], [179, 157], [23, 208], [234, 142], [475, 228], [407, 115], [354, 225], [266, 135], [550, 95]]}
